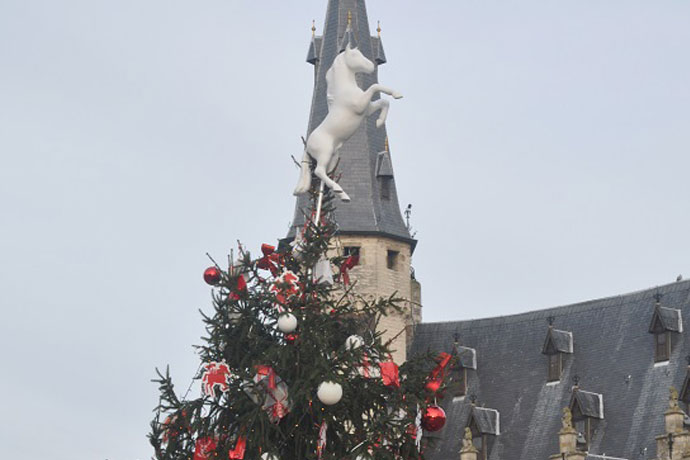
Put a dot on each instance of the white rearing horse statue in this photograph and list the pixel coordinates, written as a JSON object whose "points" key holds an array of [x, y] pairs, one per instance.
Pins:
{"points": [[348, 104]]}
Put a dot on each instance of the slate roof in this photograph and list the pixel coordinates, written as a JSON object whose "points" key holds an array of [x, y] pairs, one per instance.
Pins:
{"points": [[362, 171], [613, 356]]}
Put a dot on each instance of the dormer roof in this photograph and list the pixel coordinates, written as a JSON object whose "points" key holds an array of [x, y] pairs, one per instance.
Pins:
{"points": [[467, 357], [665, 319], [557, 341], [587, 404], [485, 421]]}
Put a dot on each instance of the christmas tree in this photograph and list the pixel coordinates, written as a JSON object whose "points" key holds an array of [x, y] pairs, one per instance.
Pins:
{"points": [[293, 367]]}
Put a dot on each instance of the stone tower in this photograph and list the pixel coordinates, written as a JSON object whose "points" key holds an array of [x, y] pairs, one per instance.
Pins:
{"points": [[371, 223]]}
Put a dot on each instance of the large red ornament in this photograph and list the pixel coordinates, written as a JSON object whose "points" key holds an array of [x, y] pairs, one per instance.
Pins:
{"points": [[212, 276], [291, 338], [433, 418], [204, 448], [238, 452]]}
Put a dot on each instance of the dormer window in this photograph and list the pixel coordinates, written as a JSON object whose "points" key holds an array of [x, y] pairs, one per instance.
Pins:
{"points": [[556, 344], [467, 359], [587, 408], [685, 390], [384, 173], [485, 424], [665, 322]]}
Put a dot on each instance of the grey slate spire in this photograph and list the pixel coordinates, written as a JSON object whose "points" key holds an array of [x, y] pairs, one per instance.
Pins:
{"points": [[365, 162]]}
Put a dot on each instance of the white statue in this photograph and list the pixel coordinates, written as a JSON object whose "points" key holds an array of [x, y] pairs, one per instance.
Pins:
{"points": [[348, 104]]}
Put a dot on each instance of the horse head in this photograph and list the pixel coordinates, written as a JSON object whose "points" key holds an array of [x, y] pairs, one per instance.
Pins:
{"points": [[357, 62]]}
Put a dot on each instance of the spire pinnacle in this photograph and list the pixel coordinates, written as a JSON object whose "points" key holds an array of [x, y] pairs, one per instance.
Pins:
{"points": [[386, 145], [349, 18], [313, 27], [378, 28]]}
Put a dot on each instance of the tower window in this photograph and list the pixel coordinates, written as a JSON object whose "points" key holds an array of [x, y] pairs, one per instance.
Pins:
{"points": [[663, 346], [392, 260], [555, 366], [386, 188], [351, 251]]}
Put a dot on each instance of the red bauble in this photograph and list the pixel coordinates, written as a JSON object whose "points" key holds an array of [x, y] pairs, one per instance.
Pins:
{"points": [[433, 418], [291, 338], [212, 276]]}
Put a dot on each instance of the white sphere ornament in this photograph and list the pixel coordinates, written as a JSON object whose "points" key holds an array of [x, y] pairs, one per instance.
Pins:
{"points": [[330, 393], [287, 323], [353, 342]]}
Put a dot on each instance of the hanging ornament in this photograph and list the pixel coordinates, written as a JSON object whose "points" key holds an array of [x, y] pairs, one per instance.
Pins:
{"points": [[330, 393], [367, 369], [204, 448], [271, 392], [291, 338], [433, 418], [174, 424], [238, 452], [215, 376], [284, 287], [353, 342], [287, 323], [321, 443], [390, 374], [269, 456], [322, 271], [212, 276]]}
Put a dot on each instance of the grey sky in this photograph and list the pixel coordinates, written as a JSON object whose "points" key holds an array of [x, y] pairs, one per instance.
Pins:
{"points": [[544, 146]]}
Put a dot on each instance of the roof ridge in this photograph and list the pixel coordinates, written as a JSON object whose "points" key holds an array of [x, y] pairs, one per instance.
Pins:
{"points": [[578, 306]]}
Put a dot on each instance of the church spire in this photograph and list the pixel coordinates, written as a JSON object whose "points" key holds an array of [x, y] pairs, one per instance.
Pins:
{"points": [[365, 163]]}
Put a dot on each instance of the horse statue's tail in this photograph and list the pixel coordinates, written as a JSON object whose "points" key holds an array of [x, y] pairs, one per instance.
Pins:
{"points": [[304, 176]]}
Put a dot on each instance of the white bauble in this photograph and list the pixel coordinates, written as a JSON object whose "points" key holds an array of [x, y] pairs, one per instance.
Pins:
{"points": [[269, 456], [287, 323], [353, 342], [329, 393]]}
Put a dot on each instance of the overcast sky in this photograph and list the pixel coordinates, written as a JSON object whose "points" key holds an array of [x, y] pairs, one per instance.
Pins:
{"points": [[545, 147]]}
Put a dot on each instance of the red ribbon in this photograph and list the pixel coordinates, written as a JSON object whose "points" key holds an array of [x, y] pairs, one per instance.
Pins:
{"points": [[267, 371], [366, 364], [270, 259], [241, 287], [238, 452], [438, 374], [389, 374], [351, 262]]}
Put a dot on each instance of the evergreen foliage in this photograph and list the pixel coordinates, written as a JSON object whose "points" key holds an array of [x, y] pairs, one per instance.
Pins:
{"points": [[372, 419]]}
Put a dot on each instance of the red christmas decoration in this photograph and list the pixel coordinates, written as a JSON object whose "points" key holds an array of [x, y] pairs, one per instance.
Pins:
{"points": [[270, 260], [389, 374], [433, 418], [291, 338], [350, 263], [216, 375], [212, 276], [437, 375], [238, 452], [285, 287], [204, 448], [241, 288]]}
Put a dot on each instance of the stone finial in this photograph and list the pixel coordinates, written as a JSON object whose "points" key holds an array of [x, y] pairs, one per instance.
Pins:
{"points": [[378, 28], [313, 27], [673, 398], [567, 419]]}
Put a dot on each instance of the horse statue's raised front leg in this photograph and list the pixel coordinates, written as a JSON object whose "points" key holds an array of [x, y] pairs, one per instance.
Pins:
{"points": [[382, 105]]}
